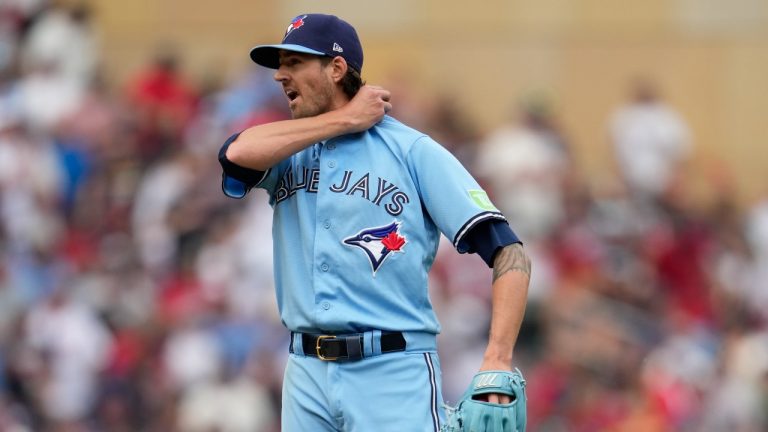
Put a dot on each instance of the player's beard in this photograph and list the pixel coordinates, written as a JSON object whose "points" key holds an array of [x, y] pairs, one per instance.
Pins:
{"points": [[316, 99]]}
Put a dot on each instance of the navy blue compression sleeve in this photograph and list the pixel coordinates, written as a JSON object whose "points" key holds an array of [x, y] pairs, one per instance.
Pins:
{"points": [[488, 237], [236, 181]]}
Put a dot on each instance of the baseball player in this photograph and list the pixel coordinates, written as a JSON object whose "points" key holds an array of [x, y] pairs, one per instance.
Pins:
{"points": [[360, 201]]}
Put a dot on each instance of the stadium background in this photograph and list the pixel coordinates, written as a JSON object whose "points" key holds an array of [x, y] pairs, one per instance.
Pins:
{"points": [[135, 297], [709, 57]]}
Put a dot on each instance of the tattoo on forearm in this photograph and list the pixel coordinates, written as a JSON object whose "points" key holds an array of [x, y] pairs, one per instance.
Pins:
{"points": [[511, 258]]}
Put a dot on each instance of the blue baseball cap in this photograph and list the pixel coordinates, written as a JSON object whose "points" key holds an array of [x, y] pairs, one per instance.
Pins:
{"points": [[318, 34]]}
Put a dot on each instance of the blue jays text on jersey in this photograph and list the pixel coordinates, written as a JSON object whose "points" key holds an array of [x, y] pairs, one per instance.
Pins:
{"points": [[306, 179], [357, 221]]}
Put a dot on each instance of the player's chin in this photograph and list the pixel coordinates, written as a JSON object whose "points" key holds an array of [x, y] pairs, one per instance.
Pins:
{"points": [[297, 112]]}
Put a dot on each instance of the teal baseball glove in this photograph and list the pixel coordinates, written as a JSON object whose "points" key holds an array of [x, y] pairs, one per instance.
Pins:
{"points": [[472, 415]]}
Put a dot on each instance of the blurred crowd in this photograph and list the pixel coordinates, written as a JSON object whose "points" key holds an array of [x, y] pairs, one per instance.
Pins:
{"points": [[135, 297]]}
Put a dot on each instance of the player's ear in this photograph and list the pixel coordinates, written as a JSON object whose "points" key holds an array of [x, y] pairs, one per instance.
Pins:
{"points": [[339, 68]]}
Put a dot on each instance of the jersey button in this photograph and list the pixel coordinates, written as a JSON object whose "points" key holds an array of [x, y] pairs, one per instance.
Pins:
{"points": [[325, 305], [331, 164], [325, 267], [327, 224], [331, 146]]}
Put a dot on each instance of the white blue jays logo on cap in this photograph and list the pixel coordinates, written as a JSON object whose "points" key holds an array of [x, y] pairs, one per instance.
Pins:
{"points": [[378, 243], [296, 23]]}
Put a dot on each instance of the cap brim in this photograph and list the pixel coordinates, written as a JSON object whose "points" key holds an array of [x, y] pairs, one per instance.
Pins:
{"points": [[267, 55]]}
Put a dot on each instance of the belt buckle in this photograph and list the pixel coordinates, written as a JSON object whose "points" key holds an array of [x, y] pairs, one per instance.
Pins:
{"points": [[317, 348]]}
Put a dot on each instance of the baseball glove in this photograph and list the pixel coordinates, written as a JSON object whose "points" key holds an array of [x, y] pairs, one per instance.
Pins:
{"points": [[472, 415]]}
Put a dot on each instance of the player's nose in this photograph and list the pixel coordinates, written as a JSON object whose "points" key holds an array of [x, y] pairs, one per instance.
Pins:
{"points": [[280, 75]]}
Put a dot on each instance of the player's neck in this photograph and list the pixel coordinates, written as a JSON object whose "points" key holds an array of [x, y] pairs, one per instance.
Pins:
{"points": [[339, 100]]}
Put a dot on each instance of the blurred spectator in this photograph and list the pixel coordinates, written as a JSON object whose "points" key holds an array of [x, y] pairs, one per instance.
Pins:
{"points": [[47, 96], [756, 233], [680, 369], [739, 403], [251, 99], [163, 187], [228, 403], [30, 179], [453, 129], [680, 247], [650, 141], [73, 345], [235, 265], [163, 103], [525, 164], [117, 408], [191, 355], [16, 18], [87, 139], [62, 39]]}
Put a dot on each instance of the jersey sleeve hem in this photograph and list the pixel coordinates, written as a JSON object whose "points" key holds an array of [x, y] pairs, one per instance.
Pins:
{"points": [[471, 223]]}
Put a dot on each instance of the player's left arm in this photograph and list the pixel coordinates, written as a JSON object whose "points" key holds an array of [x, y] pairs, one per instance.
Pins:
{"points": [[463, 212], [511, 275]]}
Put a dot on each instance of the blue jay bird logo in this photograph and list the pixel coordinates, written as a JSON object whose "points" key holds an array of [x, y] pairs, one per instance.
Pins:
{"points": [[296, 23], [378, 243]]}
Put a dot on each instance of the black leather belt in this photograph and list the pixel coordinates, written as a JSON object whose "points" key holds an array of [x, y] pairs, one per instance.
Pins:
{"points": [[346, 347]]}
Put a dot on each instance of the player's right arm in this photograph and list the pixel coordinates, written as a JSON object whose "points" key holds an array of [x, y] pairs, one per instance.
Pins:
{"points": [[263, 146]]}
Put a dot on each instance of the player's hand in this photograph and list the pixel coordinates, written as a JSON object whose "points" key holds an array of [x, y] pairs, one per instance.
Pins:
{"points": [[495, 398], [367, 108]]}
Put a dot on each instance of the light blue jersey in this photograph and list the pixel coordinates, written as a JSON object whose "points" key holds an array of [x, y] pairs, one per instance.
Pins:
{"points": [[357, 221]]}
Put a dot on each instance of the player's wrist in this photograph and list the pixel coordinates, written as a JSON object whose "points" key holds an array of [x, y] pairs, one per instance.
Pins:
{"points": [[496, 358], [342, 122], [496, 363]]}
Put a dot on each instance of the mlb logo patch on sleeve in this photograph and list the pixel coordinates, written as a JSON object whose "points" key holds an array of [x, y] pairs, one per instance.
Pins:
{"points": [[480, 198]]}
